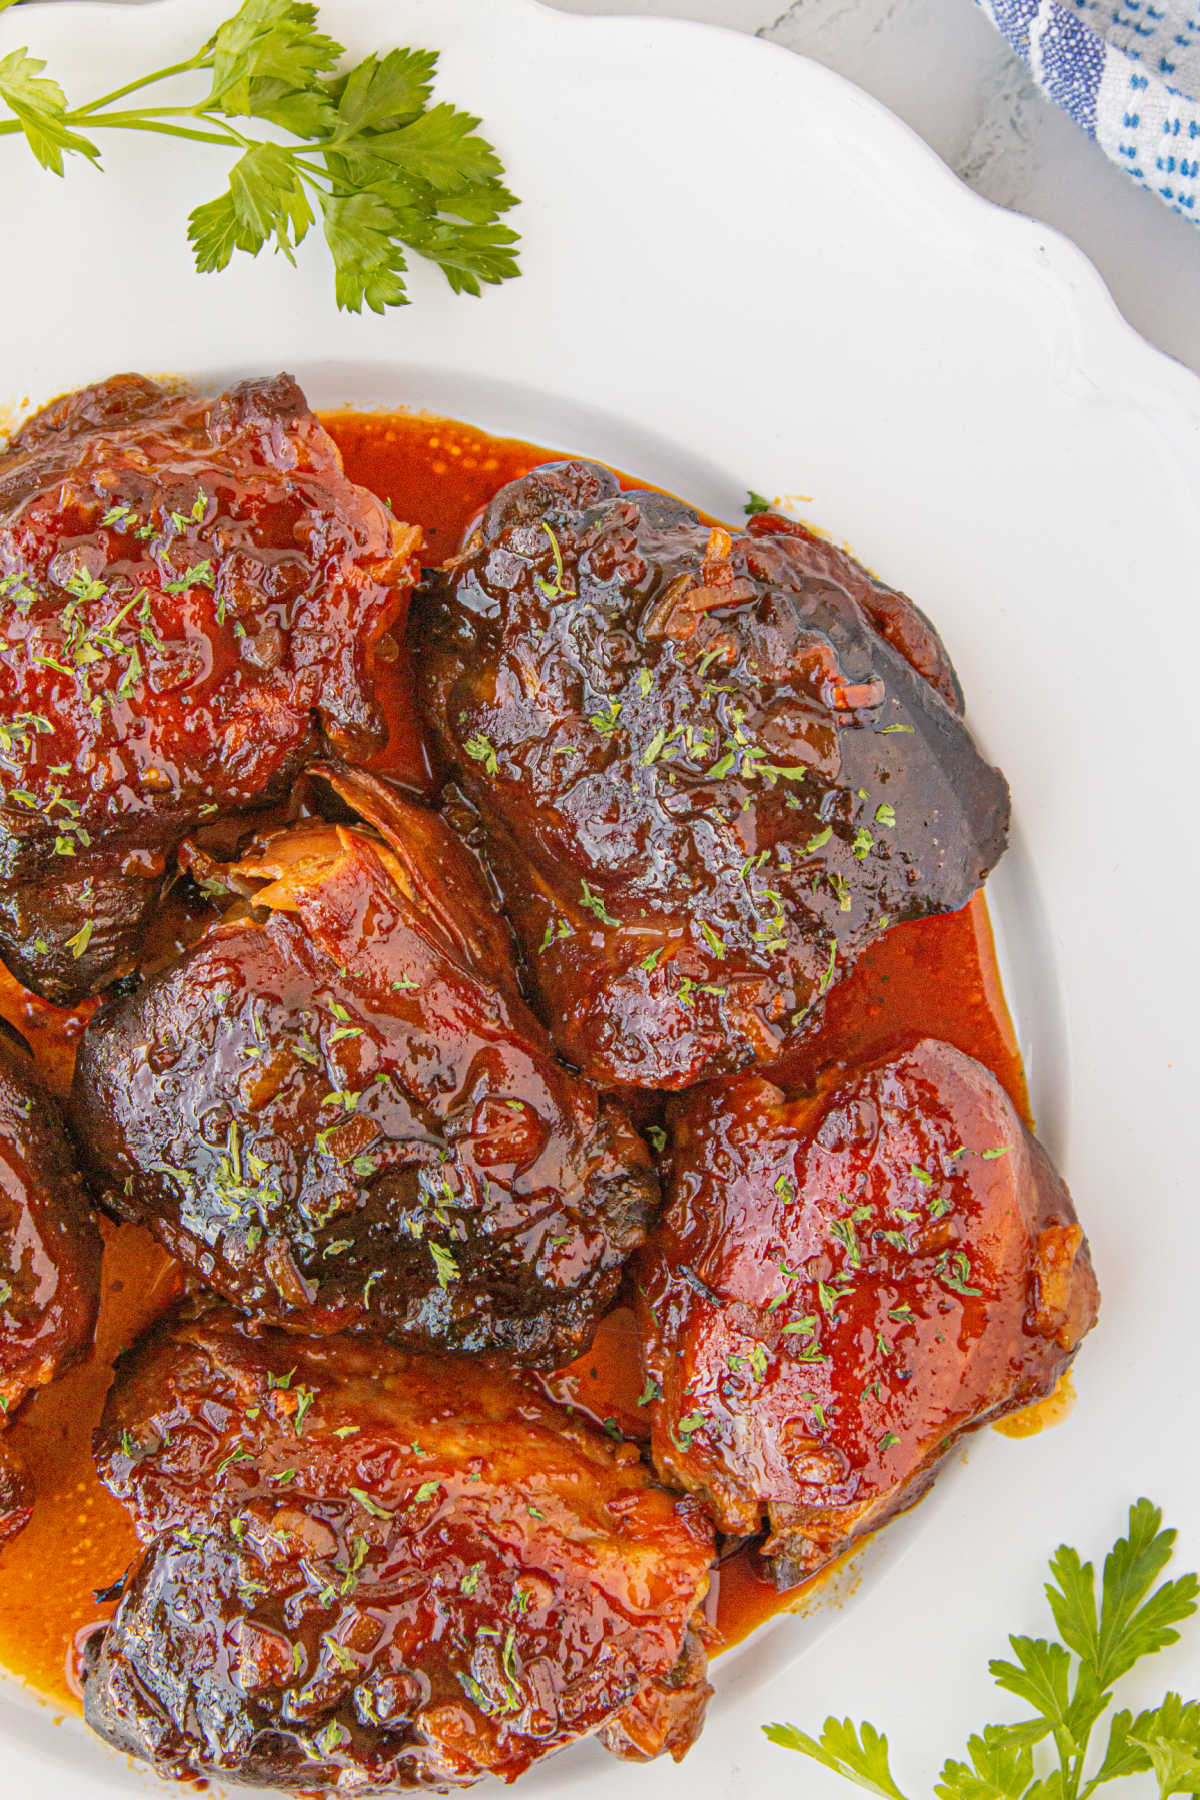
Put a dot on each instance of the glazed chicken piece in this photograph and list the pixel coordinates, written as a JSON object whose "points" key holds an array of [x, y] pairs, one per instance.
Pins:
{"points": [[193, 601], [336, 1109], [363, 1571], [49, 1257], [708, 768], [841, 1285]]}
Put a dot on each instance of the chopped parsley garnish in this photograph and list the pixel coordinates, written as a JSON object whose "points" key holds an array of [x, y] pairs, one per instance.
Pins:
{"points": [[238, 1454], [554, 590], [713, 939], [368, 1504], [606, 720], [557, 930], [843, 1230], [331, 1738], [594, 904], [481, 750], [198, 575], [687, 1426], [82, 938], [953, 1270], [445, 1266], [687, 987]]}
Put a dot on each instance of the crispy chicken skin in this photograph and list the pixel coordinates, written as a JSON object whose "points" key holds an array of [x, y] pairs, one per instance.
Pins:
{"points": [[842, 1284], [49, 1257], [193, 601], [336, 1110], [363, 1571], [705, 770]]}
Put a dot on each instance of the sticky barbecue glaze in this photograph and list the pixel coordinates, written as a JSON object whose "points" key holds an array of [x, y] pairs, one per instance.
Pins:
{"points": [[937, 976]]}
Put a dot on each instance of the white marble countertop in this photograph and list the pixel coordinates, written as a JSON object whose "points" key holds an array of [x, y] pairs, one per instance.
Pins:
{"points": [[944, 69]]}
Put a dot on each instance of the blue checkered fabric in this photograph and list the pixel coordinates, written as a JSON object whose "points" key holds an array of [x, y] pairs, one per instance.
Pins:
{"points": [[1129, 73]]}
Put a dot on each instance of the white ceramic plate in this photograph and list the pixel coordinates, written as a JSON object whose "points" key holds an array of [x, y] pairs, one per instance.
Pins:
{"points": [[741, 272]]}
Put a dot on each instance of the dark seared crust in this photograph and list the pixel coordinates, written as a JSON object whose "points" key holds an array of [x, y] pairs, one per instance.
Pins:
{"points": [[421, 1580], [338, 1112], [844, 1283], [49, 1243], [251, 585], [891, 613], [709, 768]]}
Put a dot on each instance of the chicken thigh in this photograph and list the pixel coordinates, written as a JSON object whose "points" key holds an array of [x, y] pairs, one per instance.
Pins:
{"points": [[706, 772], [336, 1109], [193, 601], [844, 1283], [363, 1571]]}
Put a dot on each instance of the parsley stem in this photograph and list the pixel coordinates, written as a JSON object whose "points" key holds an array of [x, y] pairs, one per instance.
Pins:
{"points": [[131, 87], [312, 170], [140, 122]]}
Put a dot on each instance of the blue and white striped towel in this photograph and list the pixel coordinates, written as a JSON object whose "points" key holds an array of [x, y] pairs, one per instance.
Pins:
{"points": [[1129, 73]]}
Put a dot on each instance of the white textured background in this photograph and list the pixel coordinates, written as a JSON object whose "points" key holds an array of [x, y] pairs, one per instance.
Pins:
{"points": [[943, 68]]}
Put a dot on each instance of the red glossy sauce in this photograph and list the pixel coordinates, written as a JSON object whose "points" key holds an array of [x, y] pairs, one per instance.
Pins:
{"points": [[937, 977]]}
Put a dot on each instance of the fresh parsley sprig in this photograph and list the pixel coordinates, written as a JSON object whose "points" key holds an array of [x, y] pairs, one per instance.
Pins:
{"points": [[387, 170], [1069, 1686]]}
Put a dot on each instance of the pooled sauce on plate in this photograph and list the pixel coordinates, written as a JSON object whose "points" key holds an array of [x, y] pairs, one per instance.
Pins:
{"points": [[935, 977]]}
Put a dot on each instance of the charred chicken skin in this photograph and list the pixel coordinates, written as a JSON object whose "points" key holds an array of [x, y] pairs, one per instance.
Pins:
{"points": [[708, 768], [841, 1285], [336, 1109], [49, 1257], [364, 1572], [193, 601]]}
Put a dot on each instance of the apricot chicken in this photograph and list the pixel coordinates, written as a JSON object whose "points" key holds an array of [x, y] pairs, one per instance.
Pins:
{"points": [[708, 768], [841, 1285], [336, 1109], [362, 1571], [193, 601]]}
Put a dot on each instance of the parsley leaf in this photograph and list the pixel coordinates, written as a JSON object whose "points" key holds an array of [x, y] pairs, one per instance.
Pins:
{"points": [[386, 168], [860, 1754], [40, 108], [1128, 1629], [1068, 1687]]}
